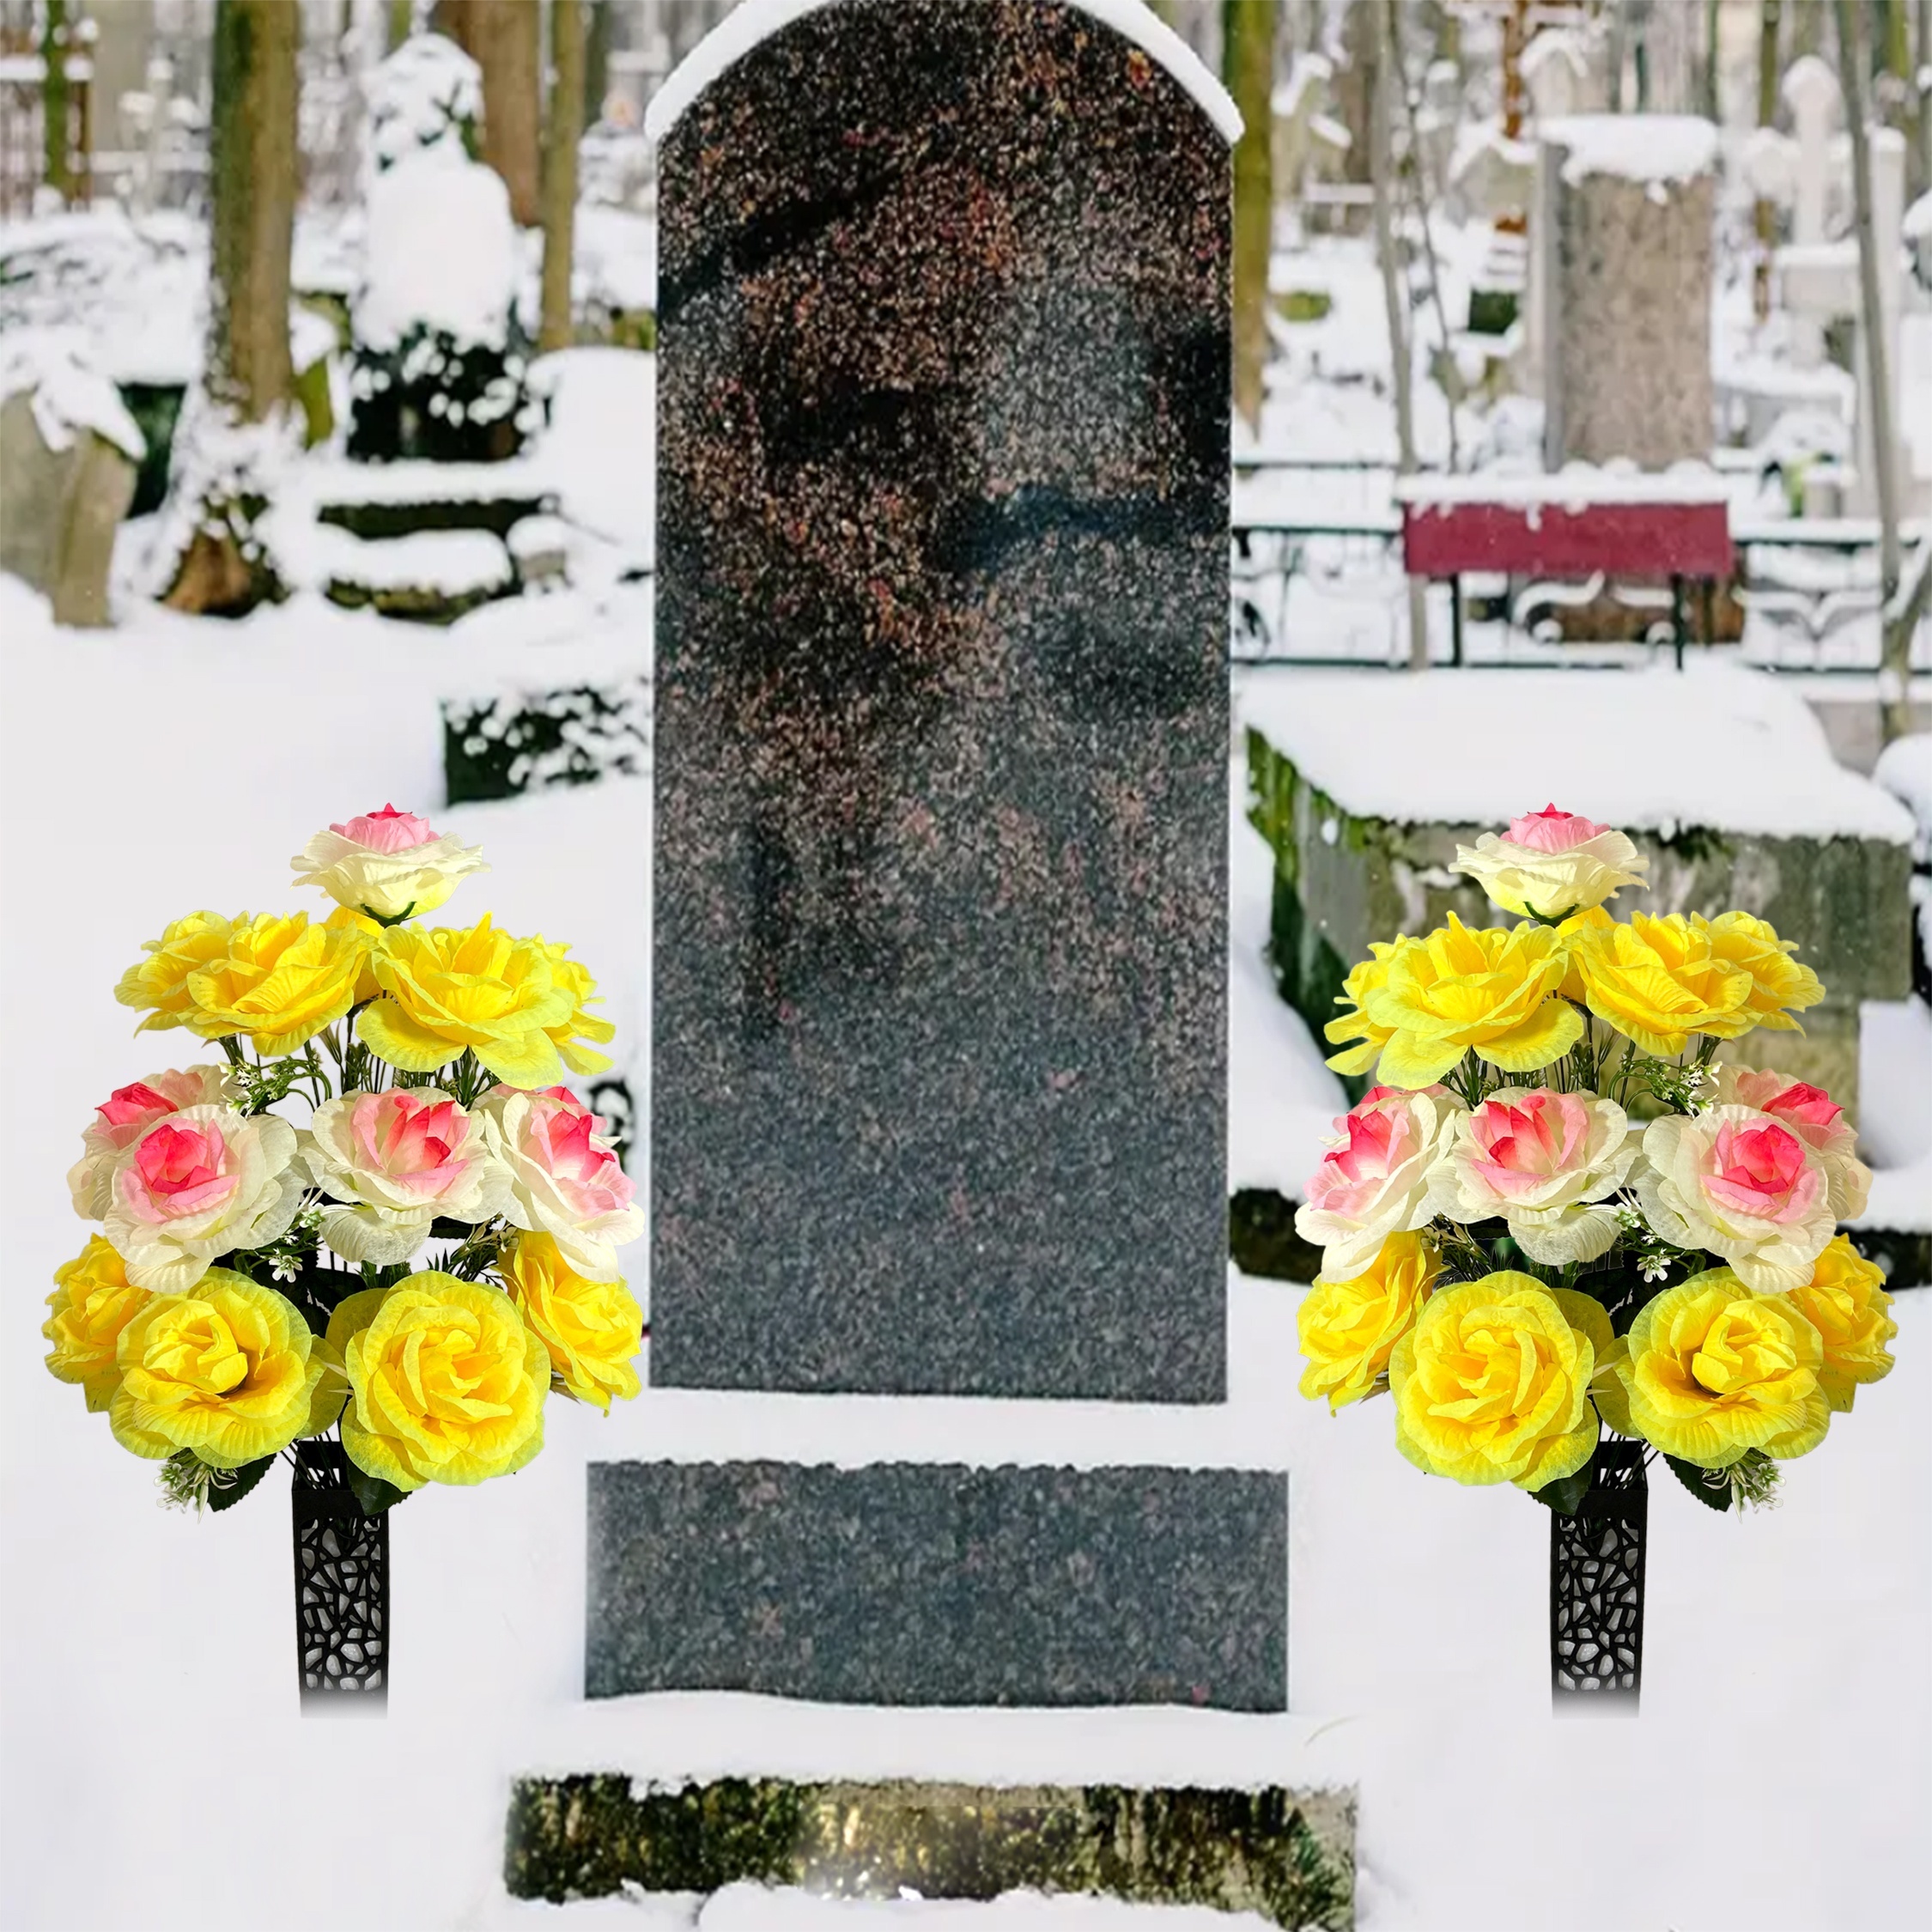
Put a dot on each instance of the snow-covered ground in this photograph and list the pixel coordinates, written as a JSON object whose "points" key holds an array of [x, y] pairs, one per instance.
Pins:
{"points": [[157, 1773]]}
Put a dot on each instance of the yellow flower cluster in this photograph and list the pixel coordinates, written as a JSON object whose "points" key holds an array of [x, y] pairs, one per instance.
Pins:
{"points": [[423, 995]]}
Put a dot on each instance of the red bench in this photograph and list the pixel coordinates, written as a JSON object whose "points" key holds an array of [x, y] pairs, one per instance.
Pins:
{"points": [[1671, 527]]}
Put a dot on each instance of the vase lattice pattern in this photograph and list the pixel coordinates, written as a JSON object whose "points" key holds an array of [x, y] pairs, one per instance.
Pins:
{"points": [[1596, 1581], [342, 1581]]}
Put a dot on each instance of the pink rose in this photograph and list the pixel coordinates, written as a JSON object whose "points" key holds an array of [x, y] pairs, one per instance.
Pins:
{"points": [[1545, 1161], [120, 1119], [1551, 863], [1551, 830], [388, 831], [1817, 1120], [1374, 1180], [388, 864], [199, 1183], [397, 1160], [565, 1178], [1741, 1184]]}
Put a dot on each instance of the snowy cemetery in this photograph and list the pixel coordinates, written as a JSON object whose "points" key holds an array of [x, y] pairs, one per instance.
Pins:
{"points": [[982, 562]]}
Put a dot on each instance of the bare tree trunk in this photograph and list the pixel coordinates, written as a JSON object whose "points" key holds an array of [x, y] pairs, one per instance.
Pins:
{"points": [[253, 172], [1713, 94], [1382, 77], [1763, 215], [502, 36], [562, 131], [54, 174], [597, 59], [1248, 29], [1353, 80], [1895, 642]]}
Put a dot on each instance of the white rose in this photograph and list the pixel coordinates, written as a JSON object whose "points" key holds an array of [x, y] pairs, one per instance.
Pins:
{"points": [[1815, 1118], [1374, 1182], [388, 863], [1551, 864], [1742, 1185], [124, 1117], [1543, 1162], [196, 1185], [565, 1177], [401, 1158]]}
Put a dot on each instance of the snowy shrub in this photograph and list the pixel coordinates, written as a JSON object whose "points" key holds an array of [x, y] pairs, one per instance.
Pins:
{"points": [[427, 93], [528, 740], [439, 355]]}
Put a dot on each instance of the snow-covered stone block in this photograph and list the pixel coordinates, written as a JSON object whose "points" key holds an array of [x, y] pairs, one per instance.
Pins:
{"points": [[431, 578], [1363, 785], [525, 740]]}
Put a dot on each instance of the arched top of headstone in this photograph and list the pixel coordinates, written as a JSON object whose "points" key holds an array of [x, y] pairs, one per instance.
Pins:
{"points": [[751, 24]]}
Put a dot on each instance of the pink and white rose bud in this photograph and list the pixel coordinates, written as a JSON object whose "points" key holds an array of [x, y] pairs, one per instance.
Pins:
{"points": [[1741, 1184], [123, 1117], [1374, 1182], [397, 1160], [388, 864], [1551, 863], [196, 1185], [565, 1178], [1817, 1120], [1545, 1161]]}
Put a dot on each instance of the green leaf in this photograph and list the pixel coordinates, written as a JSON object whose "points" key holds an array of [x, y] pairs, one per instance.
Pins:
{"points": [[1696, 1478], [228, 1486], [373, 1492], [1567, 1492]]}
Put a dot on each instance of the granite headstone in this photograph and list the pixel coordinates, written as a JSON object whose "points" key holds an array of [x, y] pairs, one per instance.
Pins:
{"points": [[942, 734]]}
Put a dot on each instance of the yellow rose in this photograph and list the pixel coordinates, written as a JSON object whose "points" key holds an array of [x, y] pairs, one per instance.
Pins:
{"points": [[1657, 981], [592, 1329], [1492, 1383], [279, 983], [446, 989], [159, 985], [1350, 1328], [1714, 1370], [1568, 934], [1486, 988], [228, 1371], [1364, 978], [92, 1301], [575, 980], [446, 1382], [1845, 1301], [1777, 981]]}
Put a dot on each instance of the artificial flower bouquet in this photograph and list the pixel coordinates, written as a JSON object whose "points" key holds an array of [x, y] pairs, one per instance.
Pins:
{"points": [[1527, 1267], [417, 1258]]}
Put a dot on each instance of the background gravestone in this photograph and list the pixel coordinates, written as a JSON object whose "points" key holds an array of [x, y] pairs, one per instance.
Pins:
{"points": [[942, 728]]}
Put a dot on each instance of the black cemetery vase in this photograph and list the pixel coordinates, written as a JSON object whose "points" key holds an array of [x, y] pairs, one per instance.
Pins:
{"points": [[341, 1586], [1597, 1584]]}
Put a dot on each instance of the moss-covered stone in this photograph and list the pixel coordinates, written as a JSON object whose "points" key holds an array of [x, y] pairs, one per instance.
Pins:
{"points": [[1285, 1855]]}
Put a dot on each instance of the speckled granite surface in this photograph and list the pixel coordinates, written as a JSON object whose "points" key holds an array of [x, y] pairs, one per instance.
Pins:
{"points": [[937, 1584], [941, 715]]}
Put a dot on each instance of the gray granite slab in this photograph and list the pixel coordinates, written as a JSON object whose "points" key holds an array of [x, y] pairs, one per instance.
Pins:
{"points": [[941, 737], [939, 1584]]}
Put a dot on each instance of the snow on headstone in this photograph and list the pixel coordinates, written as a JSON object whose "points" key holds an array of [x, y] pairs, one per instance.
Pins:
{"points": [[940, 892]]}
